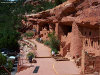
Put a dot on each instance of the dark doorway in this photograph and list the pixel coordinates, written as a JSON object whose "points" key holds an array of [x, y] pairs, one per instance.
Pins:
{"points": [[66, 29]]}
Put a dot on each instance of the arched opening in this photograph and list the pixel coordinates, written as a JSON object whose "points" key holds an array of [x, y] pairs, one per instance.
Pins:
{"points": [[86, 43], [91, 43], [85, 33], [98, 42], [90, 33]]}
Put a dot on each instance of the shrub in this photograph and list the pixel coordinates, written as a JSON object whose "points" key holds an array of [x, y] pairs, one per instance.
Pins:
{"points": [[41, 41], [23, 44], [30, 54], [3, 60], [44, 5], [29, 34], [57, 2], [54, 41], [21, 38], [47, 42], [38, 39], [55, 50], [10, 65]]}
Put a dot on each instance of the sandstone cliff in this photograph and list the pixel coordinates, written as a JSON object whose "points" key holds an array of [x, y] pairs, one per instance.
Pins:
{"points": [[83, 12]]}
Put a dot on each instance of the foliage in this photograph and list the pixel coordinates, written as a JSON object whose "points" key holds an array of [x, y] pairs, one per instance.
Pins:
{"points": [[10, 65], [30, 54], [55, 50], [24, 44], [57, 2], [28, 8], [9, 39], [47, 42], [9, 23], [3, 60], [38, 39], [54, 41], [41, 41], [29, 34], [3, 72], [44, 5], [64, 0]]}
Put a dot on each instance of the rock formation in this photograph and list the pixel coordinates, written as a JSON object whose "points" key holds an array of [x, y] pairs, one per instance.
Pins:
{"points": [[76, 22]]}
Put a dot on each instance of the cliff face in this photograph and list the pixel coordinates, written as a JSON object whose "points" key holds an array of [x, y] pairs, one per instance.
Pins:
{"points": [[83, 11], [79, 11], [88, 11]]}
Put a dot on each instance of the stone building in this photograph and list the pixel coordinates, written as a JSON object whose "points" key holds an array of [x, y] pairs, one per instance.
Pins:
{"points": [[77, 24]]}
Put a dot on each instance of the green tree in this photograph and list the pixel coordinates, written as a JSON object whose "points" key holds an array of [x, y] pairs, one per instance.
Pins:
{"points": [[57, 2], [54, 42], [3, 60], [10, 65]]}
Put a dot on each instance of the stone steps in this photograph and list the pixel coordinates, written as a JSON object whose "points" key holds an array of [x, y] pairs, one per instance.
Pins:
{"points": [[61, 59]]}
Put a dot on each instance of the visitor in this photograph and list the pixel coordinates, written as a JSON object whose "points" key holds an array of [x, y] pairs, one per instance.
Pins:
{"points": [[30, 59], [53, 53], [40, 39]]}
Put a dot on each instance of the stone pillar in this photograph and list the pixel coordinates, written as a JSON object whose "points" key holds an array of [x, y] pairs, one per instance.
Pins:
{"points": [[76, 41], [57, 28], [37, 28], [50, 28], [83, 62]]}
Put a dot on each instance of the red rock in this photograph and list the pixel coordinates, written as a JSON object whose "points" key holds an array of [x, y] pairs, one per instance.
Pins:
{"points": [[76, 22]]}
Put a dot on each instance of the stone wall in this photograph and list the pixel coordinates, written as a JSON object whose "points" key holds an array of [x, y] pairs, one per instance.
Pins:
{"points": [[90, 37], [44, 34], [76, 41], [82, 15]]}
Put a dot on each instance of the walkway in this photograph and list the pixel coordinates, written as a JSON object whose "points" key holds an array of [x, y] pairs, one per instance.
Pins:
{"points": [[42, 50], [66, 68], [48, 66]]}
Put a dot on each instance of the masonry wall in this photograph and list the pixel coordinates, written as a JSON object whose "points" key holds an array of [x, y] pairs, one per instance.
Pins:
{"points": [[44, 34], [65, 37], [76, 41], [45, 30], [91, 40]]}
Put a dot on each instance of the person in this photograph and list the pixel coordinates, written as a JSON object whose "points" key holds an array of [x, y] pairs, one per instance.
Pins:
{"points": [[30, 59], [53, 53], [40, 39]]}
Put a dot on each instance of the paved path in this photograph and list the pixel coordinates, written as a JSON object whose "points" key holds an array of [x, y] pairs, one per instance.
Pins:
{"points": [[66, 68], [48, 66], [42, 50]]}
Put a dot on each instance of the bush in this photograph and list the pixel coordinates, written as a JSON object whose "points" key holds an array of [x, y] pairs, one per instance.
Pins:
{"points": [[55, 50], [44, 5], [41, 41], [3, 60], [10, 65], [29, 34], [30, 54], [54, 41], [57, 2], [47, 42], [38, 39]]}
